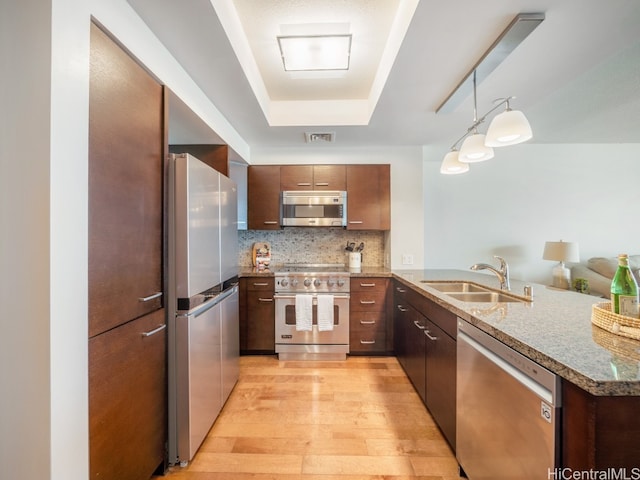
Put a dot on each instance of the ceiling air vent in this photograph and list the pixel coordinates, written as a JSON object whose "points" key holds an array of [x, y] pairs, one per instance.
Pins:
{"points": [[319, 137]]}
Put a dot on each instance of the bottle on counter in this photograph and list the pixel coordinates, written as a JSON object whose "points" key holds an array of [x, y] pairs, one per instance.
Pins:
{"points": [[624, 290]]}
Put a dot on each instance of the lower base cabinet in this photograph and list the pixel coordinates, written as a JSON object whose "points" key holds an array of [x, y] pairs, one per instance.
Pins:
{"points": [[369, 331], [257, 315], [128, 400]]}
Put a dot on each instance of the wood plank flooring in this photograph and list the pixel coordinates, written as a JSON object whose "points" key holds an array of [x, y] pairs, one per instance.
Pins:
{"points": [[358, 419]]}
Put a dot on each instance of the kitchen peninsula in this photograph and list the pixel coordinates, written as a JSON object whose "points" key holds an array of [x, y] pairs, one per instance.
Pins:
{"points": [[599, 370]]}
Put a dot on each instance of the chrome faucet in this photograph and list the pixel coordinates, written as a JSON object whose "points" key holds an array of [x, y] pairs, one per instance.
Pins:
{"points": [[502, 274]]}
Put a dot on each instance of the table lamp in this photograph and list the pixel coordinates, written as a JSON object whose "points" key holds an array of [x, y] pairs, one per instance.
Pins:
{"points": [[561, 252]]}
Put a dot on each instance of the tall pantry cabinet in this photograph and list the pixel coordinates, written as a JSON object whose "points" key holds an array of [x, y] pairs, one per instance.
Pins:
{"points": [[127, 336]]}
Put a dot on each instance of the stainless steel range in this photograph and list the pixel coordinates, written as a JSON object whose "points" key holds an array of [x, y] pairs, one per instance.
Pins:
{"points": [[312, 312]]}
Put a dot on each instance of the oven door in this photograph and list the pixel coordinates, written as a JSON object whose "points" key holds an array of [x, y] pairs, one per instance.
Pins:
{"points": [[290, 340]]}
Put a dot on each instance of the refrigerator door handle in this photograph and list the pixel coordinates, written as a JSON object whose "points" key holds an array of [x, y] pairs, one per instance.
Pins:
{"points": [[150, 297], [155, 330]]}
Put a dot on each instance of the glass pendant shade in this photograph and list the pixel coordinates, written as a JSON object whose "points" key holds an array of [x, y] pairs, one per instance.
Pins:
{"points": [[473, 149], [451, 165], [508, 128]]}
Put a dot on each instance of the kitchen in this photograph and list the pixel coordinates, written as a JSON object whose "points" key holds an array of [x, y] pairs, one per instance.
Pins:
{"points": [[573, 181]]}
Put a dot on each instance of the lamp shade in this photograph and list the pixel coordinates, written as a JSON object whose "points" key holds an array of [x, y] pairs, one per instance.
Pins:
{"points": [[561, 251], [451, 165], [508, 128], [474, 150]]}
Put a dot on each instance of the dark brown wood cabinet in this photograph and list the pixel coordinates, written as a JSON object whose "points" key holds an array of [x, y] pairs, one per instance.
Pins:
{"points": [[369, 330], [368, 197], [263, 197], [313, 177], [258, 334], [127, 340]]}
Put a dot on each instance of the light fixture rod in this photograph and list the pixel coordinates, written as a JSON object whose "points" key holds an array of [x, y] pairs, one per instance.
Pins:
{"points": [[477, 122], [519, 28]]}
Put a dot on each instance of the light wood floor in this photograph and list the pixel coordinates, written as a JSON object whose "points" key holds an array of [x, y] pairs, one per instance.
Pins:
{"points": [[359, 419]]}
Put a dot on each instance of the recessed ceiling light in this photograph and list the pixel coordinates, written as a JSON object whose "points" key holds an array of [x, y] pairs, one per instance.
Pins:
{"points": [[315, 52]]}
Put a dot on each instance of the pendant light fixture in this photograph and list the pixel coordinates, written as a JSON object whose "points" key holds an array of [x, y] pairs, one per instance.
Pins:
{"points": [[451, 165], [508, 128], [473, 148]]}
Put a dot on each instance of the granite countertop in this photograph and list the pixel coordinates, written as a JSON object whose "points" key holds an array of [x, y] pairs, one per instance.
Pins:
{"points": [[555, 330]]}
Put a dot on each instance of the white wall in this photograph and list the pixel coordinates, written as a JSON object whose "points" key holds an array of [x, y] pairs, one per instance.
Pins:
{"points": [[528, 194], [406, 235]]}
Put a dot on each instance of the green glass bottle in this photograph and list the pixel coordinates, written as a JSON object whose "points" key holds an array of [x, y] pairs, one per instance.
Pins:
{"points": [[624, 290]]}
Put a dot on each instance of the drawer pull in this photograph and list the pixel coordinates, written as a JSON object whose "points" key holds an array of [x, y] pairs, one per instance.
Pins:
{"points": [[265, 284], [367, 284], [265, 300], [371, 322], [303, 184], [322, 184], [150, 297], [430, 337], [359, 222], [400, 290], [402, 309], [367, 302], [421, 327], [270, 222], [155, 330], [367, 342]]}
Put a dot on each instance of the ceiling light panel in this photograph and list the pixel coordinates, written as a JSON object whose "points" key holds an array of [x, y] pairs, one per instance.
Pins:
{"points": [[315, 52]]}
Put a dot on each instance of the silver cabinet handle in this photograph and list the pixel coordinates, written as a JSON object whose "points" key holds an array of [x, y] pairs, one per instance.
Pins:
{"points": [[264, 284], [356, 221], [367, 302], [400, 290], [265, 300], [367, 284], [155, 330], [322, 184], [270, 222], [372, 322], [421, 327], [303, 184], [367, 342], [430, 337], [402, 309], [150, 297]]}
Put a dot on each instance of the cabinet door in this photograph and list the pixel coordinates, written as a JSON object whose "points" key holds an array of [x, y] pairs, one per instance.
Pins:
{"points": [[261, 318], [126, 158], [415, 348], [127, 400], [329, 177], [441, 379], [400, 323], [368, 197], [263, 190], [296, 177]]}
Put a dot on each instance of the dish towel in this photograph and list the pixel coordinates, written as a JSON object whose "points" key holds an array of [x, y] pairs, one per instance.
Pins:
{"points": [[325, 313], [304, 313]]}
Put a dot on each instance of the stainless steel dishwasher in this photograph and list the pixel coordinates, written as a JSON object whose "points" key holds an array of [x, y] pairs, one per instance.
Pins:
{"points": [[507, 409]]}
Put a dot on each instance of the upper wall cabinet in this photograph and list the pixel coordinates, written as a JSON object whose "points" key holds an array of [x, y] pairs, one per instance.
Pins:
{"points": [[313, 177], [368, 197], [263, 192], [216, 156]]}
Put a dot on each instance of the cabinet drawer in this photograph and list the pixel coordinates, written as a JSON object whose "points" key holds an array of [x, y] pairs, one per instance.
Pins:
{"points": [[369, 284], [368, 301], [443, 318], [367, 332], [260, 284]]}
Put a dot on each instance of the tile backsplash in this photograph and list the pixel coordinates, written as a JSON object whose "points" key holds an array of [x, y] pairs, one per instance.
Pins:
{"points": [[312, 245]]}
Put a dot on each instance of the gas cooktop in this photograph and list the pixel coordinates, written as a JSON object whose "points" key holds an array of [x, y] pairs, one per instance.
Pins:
{"points": [[311, 268]]}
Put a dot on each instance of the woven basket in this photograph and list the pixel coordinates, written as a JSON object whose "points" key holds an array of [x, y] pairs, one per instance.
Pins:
{"points": [[620, 346], [603, 317]]}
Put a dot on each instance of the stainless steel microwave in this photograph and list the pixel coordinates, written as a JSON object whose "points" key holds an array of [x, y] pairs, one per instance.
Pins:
{"points": [[313, 208]]}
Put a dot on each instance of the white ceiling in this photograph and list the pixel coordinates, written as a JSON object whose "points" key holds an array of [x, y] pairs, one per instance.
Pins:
{"points": [[576, 77]]}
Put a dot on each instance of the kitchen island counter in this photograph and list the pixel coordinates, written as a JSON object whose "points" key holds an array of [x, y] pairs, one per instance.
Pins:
{"points": [[554, 330]]}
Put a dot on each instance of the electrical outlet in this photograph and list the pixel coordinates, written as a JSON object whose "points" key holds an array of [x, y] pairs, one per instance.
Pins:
{"points": [[407, 259]]}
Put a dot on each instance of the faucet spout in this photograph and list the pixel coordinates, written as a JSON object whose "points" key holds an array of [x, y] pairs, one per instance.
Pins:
{"points": [[502, 273]]}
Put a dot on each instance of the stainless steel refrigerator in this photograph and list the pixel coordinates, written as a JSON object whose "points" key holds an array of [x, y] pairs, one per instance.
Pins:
{"points": [[203, 329]]}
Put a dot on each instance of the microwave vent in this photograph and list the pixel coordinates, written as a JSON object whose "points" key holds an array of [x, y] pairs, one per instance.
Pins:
{"points": [[319, 137]]}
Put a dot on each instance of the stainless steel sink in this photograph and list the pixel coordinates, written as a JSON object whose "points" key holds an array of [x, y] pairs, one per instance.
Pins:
{"points": [[472, 292], [450, 287]]}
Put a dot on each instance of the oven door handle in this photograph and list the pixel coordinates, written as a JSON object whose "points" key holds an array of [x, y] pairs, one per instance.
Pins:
{"points": [[279, 296]]}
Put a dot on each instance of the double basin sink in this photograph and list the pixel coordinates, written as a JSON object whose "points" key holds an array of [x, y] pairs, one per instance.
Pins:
{"points": [[472, 292]]}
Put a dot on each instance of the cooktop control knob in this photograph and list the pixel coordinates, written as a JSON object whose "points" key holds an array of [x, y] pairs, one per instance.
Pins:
{"points": [[340, 282], [307, 282], [284, 282], [330, 282], [317, 282], [294, 282]]}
